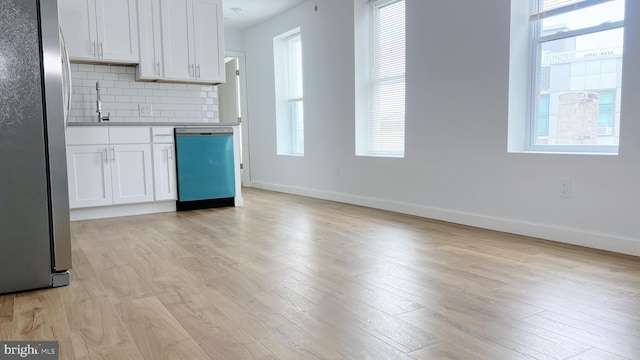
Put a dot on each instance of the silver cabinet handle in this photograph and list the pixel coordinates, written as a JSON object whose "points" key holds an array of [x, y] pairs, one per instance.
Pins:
{"points": [[198, 67], [113, 153], [93, 48], [106, 155], [158, 68], [193, 70], [101, 49], [169, 153]]}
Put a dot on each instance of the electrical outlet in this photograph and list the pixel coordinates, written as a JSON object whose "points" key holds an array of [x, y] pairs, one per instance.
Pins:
{"points": [[146, 110], [565, 188]]}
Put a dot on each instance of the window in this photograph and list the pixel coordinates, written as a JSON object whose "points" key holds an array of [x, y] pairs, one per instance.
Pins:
{"points": [[381, 131], [578, 47], [289, 93]]}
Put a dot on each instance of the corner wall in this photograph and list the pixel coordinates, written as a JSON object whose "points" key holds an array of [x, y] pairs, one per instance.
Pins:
{"points": [[456, 166]]}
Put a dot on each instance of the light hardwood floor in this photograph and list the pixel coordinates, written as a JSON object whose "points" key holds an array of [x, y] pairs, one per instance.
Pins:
{"points": [[288, 277]]}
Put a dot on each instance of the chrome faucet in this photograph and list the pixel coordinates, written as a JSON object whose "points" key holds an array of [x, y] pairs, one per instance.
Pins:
{"points": [[99, 105]]}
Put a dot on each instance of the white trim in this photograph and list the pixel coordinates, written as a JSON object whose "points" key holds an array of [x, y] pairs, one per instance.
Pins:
{"points": [[580, 32], [553, 233], [104, 212], [244, 107]]}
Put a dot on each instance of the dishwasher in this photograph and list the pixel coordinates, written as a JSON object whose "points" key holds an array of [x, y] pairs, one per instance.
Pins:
{"points": [[205, 167]]}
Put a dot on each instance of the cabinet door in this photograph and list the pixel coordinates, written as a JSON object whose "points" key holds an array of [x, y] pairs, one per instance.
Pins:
{"points": [[177, 41], [164, 172], [131, 173], [150, 40], [89, 173], [78, 22], [209, 40], [117, 30]]}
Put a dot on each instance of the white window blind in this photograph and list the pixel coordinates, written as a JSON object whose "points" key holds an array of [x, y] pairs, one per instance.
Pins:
{"points": [[296, 104], [544, 8], [387, 82]]}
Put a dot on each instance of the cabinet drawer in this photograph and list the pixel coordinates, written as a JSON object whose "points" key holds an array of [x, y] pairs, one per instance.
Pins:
{"points": [[129, 135], [87, 135], [162, 134]]}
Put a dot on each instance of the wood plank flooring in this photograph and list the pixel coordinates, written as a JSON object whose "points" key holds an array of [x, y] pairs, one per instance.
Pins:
{"points": [[288, 277]]}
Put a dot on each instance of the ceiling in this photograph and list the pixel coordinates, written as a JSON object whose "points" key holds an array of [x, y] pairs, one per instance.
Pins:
{"points": [[243, 14]]}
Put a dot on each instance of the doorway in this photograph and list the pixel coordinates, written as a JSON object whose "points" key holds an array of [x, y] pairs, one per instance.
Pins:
{"points": [[232, 106]]}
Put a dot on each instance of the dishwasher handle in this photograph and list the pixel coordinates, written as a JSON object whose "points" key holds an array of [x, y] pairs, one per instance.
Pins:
{"points": [[204, 131]]}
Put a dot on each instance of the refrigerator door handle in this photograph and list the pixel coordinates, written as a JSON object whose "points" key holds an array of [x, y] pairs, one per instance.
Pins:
{"points": [[67, 83]]}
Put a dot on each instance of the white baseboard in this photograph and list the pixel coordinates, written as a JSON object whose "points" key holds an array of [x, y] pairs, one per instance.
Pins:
{"points": [[103, 212], [564, 235]]}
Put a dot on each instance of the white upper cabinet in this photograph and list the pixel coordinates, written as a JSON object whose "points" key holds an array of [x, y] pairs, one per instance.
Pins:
{"points": [[177, 39], [150, 28], [100, 30], [182, 41], [209, 40]]}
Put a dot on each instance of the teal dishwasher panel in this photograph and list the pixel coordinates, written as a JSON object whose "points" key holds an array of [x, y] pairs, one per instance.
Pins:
{"points": [[205, 167]]}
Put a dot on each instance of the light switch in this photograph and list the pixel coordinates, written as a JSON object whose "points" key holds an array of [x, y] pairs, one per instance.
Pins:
{"points": [[146, 110]]}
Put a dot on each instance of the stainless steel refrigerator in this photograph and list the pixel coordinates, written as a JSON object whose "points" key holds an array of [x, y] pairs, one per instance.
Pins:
{"points": [[35, 246]]}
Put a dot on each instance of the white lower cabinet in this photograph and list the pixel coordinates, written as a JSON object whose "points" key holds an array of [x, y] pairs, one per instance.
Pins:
{"points": [[164, 168], [89, 176], [109, 166], [131, 174], [108, 175]]}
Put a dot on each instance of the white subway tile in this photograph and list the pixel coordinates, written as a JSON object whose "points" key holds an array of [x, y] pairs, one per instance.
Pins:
{"points": [[81, 90], [102, 68], [159, 92], [151, 85], [86, 67], [121, 84], [123, 99], [129, 91], [151, 99], [106, 84], [111, 76], [137, 85], [114, 91], [128, 77], [119, 69], [180, 86], [78, 75], [95, 75], [138, 99]]}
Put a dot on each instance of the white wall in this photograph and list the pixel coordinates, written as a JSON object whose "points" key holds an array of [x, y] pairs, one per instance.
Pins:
{"points": [[233, 40], [456, 165]]}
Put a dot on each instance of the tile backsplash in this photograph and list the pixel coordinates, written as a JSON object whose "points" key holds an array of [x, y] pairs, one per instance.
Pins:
{"points": [[122, 96]]}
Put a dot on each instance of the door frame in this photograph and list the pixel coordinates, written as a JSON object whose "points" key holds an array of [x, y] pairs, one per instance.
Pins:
{"points": [[246, 163]]}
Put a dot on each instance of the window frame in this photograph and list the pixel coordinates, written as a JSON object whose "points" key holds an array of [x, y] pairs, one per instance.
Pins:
{"points": [[297, 123], [373, 81], [535, 52], [289, 128]]}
